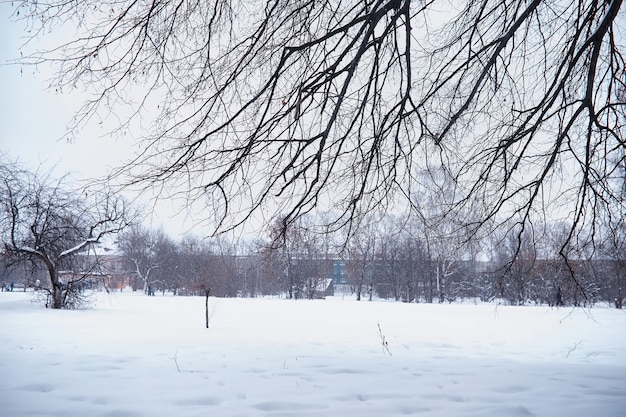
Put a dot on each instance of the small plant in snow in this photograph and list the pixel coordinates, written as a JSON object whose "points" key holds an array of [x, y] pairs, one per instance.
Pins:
{"points": [[175, 358], [383, 341]]}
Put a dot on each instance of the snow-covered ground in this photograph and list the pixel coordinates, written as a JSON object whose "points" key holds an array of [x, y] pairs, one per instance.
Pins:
{"points": [[135, 356]]}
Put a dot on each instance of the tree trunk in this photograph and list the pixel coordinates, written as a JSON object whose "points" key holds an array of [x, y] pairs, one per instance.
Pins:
{"points": [[56, 287], [57, 296]]}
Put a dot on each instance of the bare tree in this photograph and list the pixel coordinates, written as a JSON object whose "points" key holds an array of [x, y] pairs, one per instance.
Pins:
{"points": [[271, 268], [313, 260], [613, 258], [222, 268], [615, 238], [415, 268], [442, 234], [300, 104], [406, 260], [361, 259], [516, 259], [47, 224], [141, 247], [298, 257], [167, 275], [287, 249], [390, 282]]}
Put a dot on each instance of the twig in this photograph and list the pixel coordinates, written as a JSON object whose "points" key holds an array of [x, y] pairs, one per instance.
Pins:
{"points": [[383, 340], [573, 348], [176, 361]]}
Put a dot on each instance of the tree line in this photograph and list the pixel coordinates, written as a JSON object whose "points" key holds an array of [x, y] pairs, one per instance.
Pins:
{"points": [[390, 258], [52, 233]]}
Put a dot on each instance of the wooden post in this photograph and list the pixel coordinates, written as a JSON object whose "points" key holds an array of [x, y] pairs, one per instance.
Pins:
{"points": [[207, 292]]}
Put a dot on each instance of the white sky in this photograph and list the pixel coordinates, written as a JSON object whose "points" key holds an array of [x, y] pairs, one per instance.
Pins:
{"points": [[34, 119]]}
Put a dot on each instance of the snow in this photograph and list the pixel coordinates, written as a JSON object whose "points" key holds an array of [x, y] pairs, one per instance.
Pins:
{"points": [[133, 356]]}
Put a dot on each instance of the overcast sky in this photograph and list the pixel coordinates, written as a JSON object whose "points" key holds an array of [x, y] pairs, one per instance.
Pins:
{"points": [[33, 122], [33, 119]]}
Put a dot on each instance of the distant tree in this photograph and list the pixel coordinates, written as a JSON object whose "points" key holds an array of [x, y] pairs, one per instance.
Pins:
{"points": [[167, 274], [556, 272], [449, 232], [142, 248], [253, 284], [298, 257], [314, 263], [248, 266], [516, 260], [614, 235], [282, 253], [415, 269], [361, 259], [197, 271], [222, 265], [210, 266], [190, 270], [390, 283], [613, 258], [401, 265], [44, 222], [271, 268]]}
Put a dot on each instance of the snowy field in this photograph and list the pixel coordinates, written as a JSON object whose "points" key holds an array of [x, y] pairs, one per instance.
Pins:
{"points": [[134, 356]]}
